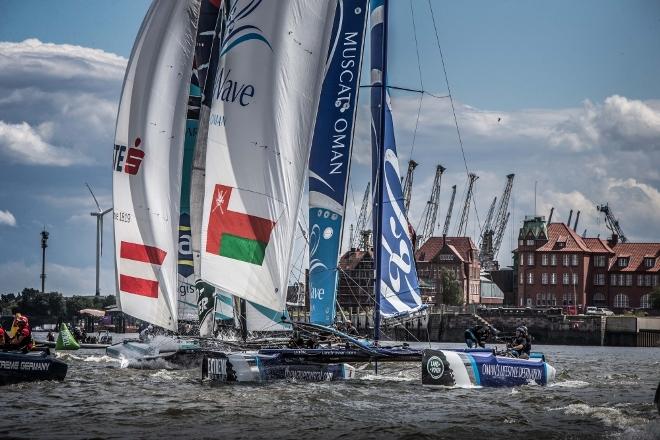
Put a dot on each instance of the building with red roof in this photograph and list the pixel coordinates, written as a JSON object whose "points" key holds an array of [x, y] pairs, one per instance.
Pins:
{"points": [[556, 267], [456, 254]]}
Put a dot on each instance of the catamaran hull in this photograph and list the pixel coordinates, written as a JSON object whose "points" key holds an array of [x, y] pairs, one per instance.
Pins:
{"points": [[179, 352], [468, 369], [254, 367], [18, 367]]}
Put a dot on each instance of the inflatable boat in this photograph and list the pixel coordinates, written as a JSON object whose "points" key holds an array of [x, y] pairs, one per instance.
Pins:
{"points": [[16, 366]]}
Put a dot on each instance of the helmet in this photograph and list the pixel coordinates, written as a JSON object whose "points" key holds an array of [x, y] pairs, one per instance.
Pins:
{"points": [[521, 329]]}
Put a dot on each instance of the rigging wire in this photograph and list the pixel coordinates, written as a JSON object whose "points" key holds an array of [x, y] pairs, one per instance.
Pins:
{"points": [[421, 80], [451, 101], [371, 296]]}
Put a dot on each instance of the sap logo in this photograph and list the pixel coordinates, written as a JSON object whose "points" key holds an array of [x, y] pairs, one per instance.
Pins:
{"points": [[317, 293], [228, 90], [128, 161]]}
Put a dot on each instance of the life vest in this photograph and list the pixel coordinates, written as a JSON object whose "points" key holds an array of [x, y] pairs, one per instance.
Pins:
{"points": [[26, 341]]}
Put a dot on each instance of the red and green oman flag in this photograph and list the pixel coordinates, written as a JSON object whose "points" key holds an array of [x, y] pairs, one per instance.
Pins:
{"points": [[235, 234]]}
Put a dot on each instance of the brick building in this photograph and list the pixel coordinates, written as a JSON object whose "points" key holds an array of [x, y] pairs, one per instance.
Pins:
{"points": [[356, 274], [457, 254], [556, 267]]}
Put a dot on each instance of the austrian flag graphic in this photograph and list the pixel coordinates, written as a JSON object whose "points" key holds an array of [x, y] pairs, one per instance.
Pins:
{"points": [[236, 235], [137, 271]]}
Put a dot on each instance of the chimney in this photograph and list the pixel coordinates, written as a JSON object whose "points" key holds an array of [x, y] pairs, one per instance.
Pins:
{"points": [[577, 219], [444, 239], [613, 240]]}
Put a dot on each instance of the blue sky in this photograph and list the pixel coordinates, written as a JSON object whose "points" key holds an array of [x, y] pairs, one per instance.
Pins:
{"points": [[574, 83]]}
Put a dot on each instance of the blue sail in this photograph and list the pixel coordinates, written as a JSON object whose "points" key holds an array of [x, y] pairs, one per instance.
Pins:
{"points": [[330, 155], [396, 275]]}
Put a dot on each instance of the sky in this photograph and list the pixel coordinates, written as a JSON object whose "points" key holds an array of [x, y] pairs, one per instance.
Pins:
{"points": [[564, 94]]}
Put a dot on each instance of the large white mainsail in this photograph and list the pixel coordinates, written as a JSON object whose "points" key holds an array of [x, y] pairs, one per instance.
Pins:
{"points": [[264, 103], [147, 161]]}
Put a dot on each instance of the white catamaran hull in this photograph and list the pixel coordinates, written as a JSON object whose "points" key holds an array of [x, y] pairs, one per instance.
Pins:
{"points": [[175, 350], [470, 369]]}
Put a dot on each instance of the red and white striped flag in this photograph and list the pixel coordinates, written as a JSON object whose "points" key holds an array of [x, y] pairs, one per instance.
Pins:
{"points": [[138, 276]]}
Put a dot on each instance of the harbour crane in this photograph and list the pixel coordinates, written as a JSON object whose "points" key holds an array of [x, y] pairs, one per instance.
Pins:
{"points": [[431, 209], [489, 220], [445, 229], [462, 225], [407, 185], [494, 230], [362, 220], [611, 222]]}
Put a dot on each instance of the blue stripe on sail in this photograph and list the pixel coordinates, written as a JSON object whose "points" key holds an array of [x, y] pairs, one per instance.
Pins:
{"points": [[330, 156], [272, 315], [224, 299]]}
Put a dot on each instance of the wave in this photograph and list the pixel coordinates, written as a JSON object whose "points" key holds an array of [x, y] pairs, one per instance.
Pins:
{"points": [[569, 384], [610, 416]]}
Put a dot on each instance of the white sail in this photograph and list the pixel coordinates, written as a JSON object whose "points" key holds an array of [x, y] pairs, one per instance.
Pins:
{"points": [[260, 128], [147, 161]]}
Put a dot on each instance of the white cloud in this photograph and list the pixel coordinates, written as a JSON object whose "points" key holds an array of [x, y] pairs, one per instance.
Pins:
{"points": [[580, 157], [23, 144], [619, 123], [7, 218], [58, 103]]}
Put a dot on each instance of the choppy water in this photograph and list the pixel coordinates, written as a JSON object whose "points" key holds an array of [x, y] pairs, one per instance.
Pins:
{"points": [[600, 393]]}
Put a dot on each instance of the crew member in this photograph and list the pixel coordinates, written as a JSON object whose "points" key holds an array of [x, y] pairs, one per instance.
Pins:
{"points": [[50, 337], [350, 329], [3, 337], [22, 340], [477, 336], [520, 345]]}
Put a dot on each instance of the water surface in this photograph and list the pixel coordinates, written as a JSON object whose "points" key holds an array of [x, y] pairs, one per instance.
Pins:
{"points": [[601, 392]]}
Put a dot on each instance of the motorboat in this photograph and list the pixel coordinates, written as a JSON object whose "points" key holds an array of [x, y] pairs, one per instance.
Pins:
{"points": [[19, 366]]}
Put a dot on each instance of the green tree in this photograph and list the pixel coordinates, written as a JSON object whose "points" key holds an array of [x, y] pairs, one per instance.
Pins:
{"points": [[450, 289], [655, 298]]}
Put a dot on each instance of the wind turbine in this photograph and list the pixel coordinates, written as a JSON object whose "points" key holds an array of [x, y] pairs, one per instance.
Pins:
{"points": [[99, 235]]}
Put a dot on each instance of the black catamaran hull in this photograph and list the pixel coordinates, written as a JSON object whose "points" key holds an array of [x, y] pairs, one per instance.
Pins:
{"points": [[222, 367], [18, 367]]}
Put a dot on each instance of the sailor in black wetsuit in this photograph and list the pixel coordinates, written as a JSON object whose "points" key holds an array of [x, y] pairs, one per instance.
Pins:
{"points": [[521, 345], [477, 336]]}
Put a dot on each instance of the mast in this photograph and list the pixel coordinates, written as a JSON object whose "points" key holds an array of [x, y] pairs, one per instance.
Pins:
{"points": [[379, 12]]}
